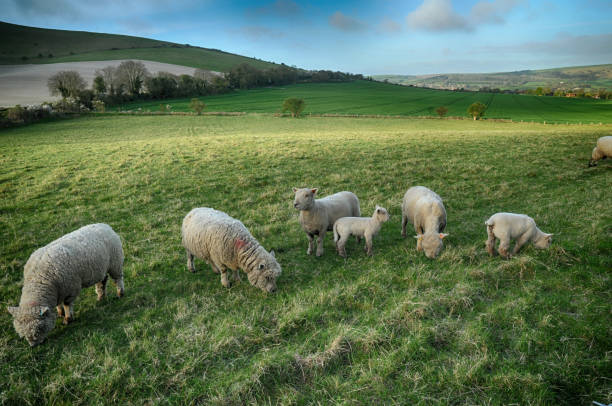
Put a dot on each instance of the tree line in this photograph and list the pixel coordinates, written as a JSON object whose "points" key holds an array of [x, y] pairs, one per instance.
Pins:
{"points": [[131, 80]]}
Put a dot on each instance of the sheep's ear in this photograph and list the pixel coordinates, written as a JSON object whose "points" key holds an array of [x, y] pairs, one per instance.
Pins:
{"points": [[377, 209], [272, 253], [44, 310], [314, 191], [442, 235], [13, 310], [295, 190]]}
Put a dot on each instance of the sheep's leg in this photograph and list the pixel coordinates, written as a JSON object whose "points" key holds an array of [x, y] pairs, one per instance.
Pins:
{"points": [[60, 310], [310, 243], [224, 277], [504, 245], [68, 311], [404, 222], [101, 288], [368, 244], [237, 275], [190, 264], [320, 243], [341, 245], [520, 242], [490, 242]]}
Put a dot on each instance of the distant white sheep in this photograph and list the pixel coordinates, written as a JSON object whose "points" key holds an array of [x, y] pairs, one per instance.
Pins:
{"points": [[317, 216], [603, 150], [367, 227], [225, 243], [425, 210], [55, 274], [511, 226]]}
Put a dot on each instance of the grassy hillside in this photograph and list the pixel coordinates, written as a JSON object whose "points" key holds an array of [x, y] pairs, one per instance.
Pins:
{"points": [[36, 44], [595, 77], [396, 328], [363, 97]]}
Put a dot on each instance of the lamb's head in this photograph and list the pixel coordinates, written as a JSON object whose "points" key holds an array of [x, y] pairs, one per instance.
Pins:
{"points": [[381, 214], [597, 154], [304, 198], [543, 241], [264, 271], [33, 323], [431, 243]]}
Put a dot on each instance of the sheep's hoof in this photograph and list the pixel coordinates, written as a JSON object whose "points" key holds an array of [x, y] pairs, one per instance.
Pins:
{"points": [[100, 297], [67, 320], [120, 293]]}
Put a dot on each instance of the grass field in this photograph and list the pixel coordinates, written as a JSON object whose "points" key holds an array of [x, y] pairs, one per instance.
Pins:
{"points": [[35, 44], [364, 97], [396, 328]]}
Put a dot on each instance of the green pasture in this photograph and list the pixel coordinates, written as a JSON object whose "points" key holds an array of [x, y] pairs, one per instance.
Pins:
{"points": [[396, 328], [375, 98]]}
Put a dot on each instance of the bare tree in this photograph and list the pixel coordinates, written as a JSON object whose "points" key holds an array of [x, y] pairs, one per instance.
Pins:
{"points": [[67, 83], [132, 75], [109, 74]]}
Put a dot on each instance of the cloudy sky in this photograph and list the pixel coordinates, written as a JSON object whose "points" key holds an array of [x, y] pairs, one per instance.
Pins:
{"points": [[370, 37]]}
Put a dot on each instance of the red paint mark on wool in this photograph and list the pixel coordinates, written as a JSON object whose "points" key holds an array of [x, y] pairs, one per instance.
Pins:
{"points": [[240, 244]]}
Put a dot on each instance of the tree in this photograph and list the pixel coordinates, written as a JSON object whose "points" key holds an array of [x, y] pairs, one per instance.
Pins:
{"points": [[442, 111], [67, 83], [294, 105], [98, 85], [132, 75], [197, 105], [476, 110], [111, 80], [162, 86]]}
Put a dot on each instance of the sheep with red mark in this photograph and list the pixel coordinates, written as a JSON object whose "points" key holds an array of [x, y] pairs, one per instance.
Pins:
{"points": [[226, 244]]}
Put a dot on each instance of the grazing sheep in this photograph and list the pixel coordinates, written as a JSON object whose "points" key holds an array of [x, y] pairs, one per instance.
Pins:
{"points": [[225, 243], [508, 226], [367, 227], [55, 274], [317, 216], [603, 150], [426, 212]]}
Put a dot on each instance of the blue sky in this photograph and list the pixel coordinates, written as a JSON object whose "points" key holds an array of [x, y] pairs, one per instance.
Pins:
{"points": [[370, 37]]}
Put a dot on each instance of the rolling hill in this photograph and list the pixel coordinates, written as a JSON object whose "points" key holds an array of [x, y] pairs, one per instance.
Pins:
{"points": [[21, 44], [594, 77]]}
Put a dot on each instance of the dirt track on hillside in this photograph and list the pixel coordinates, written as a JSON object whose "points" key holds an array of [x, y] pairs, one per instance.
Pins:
{"points": [[27, 84]]}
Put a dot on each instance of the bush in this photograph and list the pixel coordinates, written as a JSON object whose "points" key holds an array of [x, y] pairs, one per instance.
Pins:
{"points": [[197, 105], [294, 105], [442, 111], [17, 114], [99, 106], [476, 110]]}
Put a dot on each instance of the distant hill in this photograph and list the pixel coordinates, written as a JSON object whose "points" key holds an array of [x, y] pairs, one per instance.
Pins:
{"points": [[21, 44], [594, 77]]}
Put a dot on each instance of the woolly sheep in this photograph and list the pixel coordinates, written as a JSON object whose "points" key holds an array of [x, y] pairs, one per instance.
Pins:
{"points": [[520, 227], [225, 243], [603, 150], [55, 274], [317, 216], [426, 212], [367, 227]]}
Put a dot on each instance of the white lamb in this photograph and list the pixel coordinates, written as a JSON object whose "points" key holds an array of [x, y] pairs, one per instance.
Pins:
{"points": [[225, 243], [520, 227], [55, 274], [367, 227], [425, 210], [603, 150], [317, 216]]}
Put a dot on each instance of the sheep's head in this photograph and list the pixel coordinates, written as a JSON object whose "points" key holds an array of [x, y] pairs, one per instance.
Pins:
{"points": [[264, 271], [33, 323], [597, 154], [381, 214], [304, 198], [543, 242], [431, 243]]}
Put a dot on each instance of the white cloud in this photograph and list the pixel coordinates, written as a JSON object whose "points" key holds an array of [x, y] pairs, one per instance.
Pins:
{"points": [[346, 23], [437, 15]]}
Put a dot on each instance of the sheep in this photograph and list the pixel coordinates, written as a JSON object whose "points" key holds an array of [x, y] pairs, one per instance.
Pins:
{"points": [[603, 150], [426, 212], [367, 227], [520, 227], [55, 274], [225, 243], [317, 216]]}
